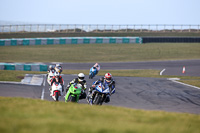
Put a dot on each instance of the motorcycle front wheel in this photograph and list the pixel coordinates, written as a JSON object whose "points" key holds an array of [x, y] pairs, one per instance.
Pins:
{"points": [[72, 98], [97, 100]]}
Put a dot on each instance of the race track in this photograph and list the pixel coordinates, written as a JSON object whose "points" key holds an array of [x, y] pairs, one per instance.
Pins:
{"points": [[131, 92]]}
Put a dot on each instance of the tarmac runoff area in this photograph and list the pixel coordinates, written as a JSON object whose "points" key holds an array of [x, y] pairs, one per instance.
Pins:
{"points": [[29, 79]]}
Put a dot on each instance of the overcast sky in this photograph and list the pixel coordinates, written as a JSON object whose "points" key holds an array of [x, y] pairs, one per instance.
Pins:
{"points": [[101, 11]]}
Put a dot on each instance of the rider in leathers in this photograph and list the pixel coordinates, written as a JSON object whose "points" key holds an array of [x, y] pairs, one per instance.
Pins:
{"points": [[79, 80], [57, 78], [107, 79]]}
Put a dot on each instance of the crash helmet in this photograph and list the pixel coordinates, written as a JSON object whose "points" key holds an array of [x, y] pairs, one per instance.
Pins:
{"points": [[50, 66], [108, 77], [81, 76], [58, 65], [57, 69], [96, 65], [57, 74]]}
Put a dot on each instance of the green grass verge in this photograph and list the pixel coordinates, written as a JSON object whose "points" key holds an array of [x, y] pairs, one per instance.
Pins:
{"points": [[90, 34], [100, 52], [9, 75], [20, 115]]}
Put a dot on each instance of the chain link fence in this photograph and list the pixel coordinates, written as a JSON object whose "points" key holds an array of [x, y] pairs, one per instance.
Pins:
{"points": [[98, 28]]}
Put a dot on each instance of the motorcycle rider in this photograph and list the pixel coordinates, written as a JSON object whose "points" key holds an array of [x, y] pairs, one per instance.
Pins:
{"points": [[57, 78], [58, 68], [97, 67], [79, 80], [107, 79], [51, 68]]}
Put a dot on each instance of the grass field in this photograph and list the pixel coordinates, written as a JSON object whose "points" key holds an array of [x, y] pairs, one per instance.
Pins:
{"points": [[100, 52], [20, 115], [90, 34], [18, 75]]}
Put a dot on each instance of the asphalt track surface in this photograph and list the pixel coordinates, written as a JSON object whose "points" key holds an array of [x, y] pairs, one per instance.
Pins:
{"points": [[131, 92], [174, 67]]}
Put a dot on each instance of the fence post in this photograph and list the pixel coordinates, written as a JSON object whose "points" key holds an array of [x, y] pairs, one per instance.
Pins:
{"points": [[181, 28], [156, 27], [10, 29], [149, 28], [141, 28], [24, 28], [189, 28], [112, 29], [67, 29], [3, 28], [30, 27], [59, 27], [37, 27], [75, 28], [52, 28], [16, 28], [82, 28], [119, 28], [45, 28]]}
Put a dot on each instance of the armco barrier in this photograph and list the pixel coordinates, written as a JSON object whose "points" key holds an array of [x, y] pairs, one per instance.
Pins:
{"points": [[171, 39], [23, 67], [68, 40]]}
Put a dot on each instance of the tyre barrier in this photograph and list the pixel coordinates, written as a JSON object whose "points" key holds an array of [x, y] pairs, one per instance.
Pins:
{"points": [[171, 39], [68, 40], [23, 67]]}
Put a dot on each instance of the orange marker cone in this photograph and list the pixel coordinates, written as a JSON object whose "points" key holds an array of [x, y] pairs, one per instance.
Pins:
{"points": [[183, 70]]}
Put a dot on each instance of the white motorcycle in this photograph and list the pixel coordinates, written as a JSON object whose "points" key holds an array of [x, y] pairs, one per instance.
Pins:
{"points": [[50, 76], [56, 91]]}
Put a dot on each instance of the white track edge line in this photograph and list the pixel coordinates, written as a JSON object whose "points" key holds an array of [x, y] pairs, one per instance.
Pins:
{"points": [[42, 96], [162, 71], [185, 84]]}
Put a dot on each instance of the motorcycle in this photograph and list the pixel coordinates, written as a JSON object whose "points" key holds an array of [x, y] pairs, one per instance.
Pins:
{"points": [[56, 91], [99, 94], [50, 76], [73, 93], [92, 73]]}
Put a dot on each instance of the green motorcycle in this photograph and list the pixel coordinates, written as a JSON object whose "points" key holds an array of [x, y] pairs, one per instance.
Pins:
{"points": [[73, 93]]}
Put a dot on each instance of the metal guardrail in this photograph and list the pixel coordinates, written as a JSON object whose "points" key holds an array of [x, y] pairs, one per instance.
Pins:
{"points": [[98, 28]]}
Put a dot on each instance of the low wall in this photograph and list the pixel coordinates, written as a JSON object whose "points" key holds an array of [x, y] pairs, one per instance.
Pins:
{"points": [[171, 39], [68, 40], [23, 67]]}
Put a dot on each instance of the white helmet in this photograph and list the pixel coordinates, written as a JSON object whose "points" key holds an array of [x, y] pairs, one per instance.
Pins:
{"points": [[81, 76], [50, 66], [57, 70], [57, 74], [58, 65]]}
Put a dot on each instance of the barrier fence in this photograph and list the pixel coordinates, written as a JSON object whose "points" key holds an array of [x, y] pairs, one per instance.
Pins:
{"points": [[69, 40], [81, 28], [23, 67]]}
